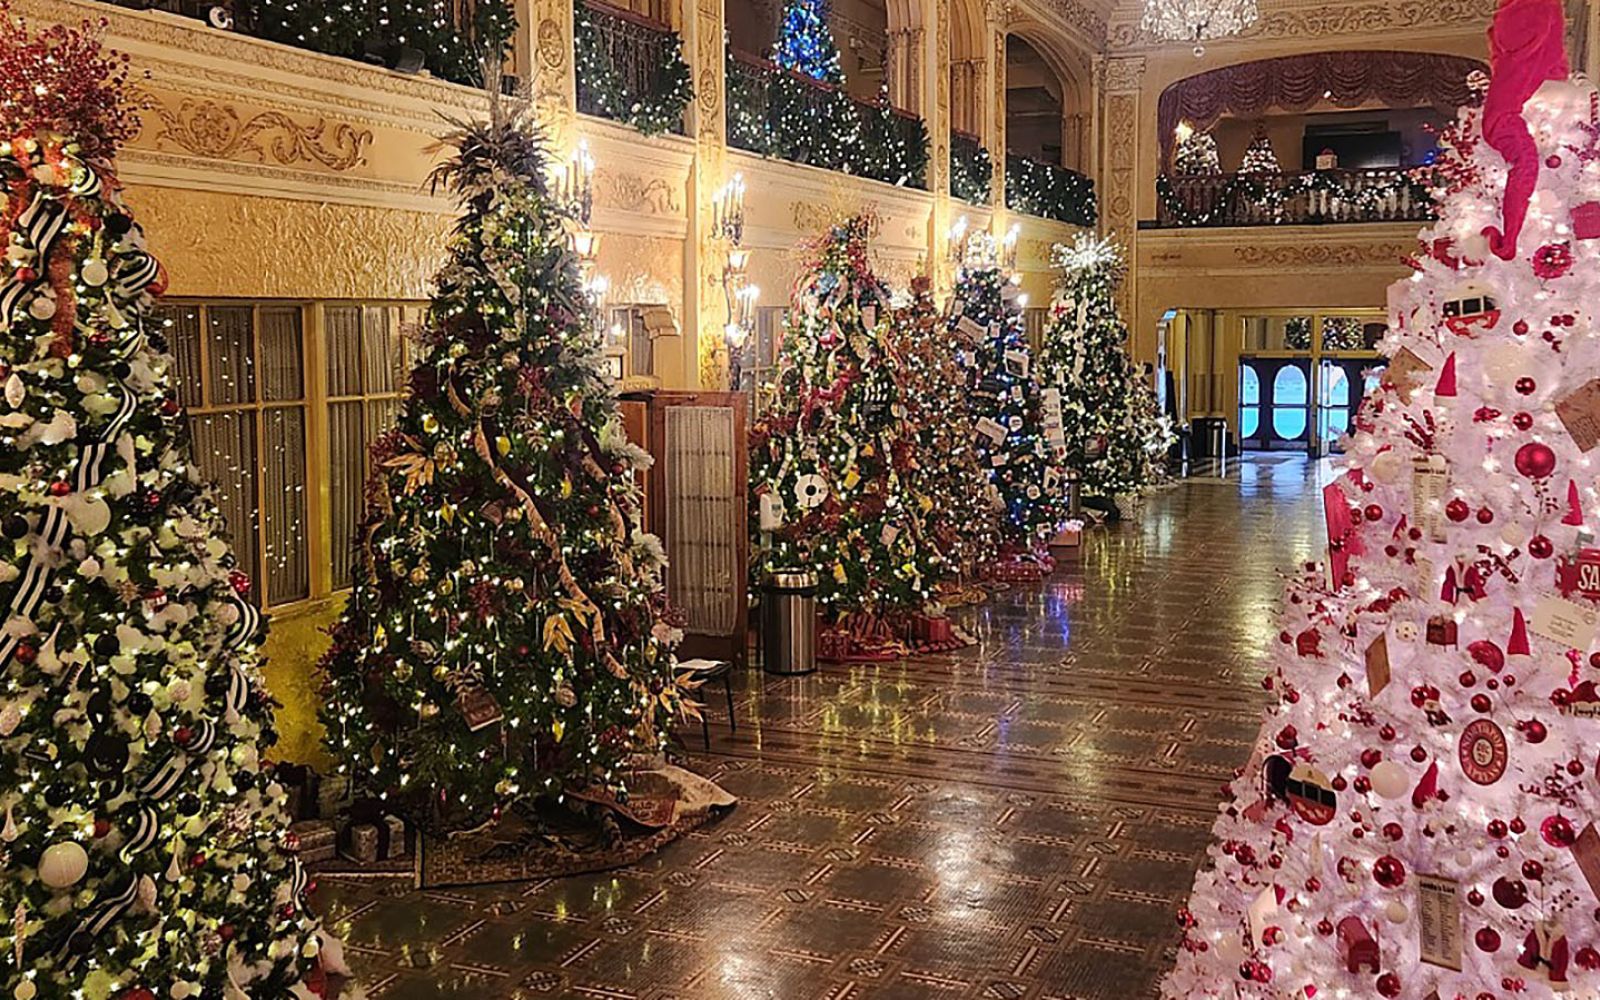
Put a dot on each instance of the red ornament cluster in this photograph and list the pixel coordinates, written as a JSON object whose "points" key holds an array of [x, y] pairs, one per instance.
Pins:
{"points": [[61, 79]]}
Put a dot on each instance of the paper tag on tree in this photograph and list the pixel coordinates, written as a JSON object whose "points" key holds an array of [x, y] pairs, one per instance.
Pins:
{"points": [[1404, 371], [1261, 911], [968, 329], [991, 429], [869, 316], [1565, 623], [1378, 665], [889, 533], [1586, 852], [1439, 920], [1580, 414], [1017, 363], [771, 512], [477, 707], [1430, 480]]}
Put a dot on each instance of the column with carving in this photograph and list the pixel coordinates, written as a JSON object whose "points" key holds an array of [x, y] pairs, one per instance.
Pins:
{"points": [[993, 97], [706, 354], [933, 84], [1119, 176], [555, 82]]}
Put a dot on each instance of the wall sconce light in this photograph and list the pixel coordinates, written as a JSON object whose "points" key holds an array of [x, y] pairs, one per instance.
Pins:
{"points": [[727, 212], [958, 241], [586, 244], [1008, 247], [727, 226], [576, 186]]}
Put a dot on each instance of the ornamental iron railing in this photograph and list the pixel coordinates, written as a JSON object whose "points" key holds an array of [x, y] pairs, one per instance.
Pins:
{"points": [[787, 115], [1313, 197], [639, 59], [1049, 191], [971, 169]]}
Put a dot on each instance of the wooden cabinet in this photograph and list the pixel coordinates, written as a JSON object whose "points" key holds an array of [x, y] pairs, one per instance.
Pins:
{"points": [[696, 500]]}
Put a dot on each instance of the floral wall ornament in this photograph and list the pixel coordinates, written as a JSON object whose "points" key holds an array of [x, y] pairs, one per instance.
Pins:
{"points": [[218, 131]]}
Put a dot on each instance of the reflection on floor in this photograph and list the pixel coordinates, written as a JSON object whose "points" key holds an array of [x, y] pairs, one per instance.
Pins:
{"points": [[1018, 821]]}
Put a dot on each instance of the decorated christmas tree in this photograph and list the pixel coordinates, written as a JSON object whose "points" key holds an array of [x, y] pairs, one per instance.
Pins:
{"points": [[829, 465], [503, 641], [1259, 156], [1196, 153], [953, 489], [805, 42], [1419, 818], [1115, 436], [809, 123], [1016, 424], [144, 847]]}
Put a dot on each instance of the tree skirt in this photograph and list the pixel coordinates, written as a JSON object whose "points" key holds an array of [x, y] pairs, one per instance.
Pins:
{"points": [[860, 637], [664, 802], [1028, 568]]}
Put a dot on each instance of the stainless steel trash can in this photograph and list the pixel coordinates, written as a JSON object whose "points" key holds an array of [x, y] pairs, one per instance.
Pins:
{"points": [[1074, 496], [789, 623]]}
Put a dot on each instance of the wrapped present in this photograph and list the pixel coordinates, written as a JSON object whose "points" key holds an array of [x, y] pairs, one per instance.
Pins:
{"points": [[926, 629], [301, 784], [318, 839], [371, 835], [333, 796]]}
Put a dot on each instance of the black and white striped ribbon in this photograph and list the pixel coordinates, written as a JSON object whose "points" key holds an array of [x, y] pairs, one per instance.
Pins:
{"points": [[36, 229], [145, 827], [100, 916]]}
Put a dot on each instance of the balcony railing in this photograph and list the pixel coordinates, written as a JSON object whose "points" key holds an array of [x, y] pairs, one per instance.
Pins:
{"points": [[1315, 197], [1049, 191], [787, 115], [442, 38], [971, 169], [630, 69]]}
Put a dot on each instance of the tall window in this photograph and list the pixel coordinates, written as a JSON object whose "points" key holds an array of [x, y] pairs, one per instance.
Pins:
{"points": [[368, 354], [241, 374]]}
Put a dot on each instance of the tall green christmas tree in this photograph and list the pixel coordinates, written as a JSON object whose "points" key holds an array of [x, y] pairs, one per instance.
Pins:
{"points": [[143, 847], [1010, 411], [1259, 156], [503, 641], [829, 465], [960, 504], [1114, 433]]}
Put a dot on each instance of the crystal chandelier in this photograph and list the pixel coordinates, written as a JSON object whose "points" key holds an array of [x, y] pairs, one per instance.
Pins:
{"points": [[1198, 21]]}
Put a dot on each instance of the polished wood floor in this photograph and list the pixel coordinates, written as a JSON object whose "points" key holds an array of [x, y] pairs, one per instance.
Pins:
{"points": [[1018, 821]]}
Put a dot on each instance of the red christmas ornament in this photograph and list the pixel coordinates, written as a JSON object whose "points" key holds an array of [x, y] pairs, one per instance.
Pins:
{"points": [[1389, 985], [1540, 547], [1526, 386], [1510, 893], [1457, 510], [60, 488], [1485, 515], [1373, 512], [1536, 460], [1534, 731], [1487, 939], [1389, 872], [1533, 870], [1523, 421], [1552, 260]]}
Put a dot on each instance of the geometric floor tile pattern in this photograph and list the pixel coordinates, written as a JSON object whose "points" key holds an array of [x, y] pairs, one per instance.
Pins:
{"points": [[1016, 821]]}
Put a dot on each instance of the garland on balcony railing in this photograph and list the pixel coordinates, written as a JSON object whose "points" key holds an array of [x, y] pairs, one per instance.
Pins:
{"points": [[658, 106], [1369, 200], [971, 170], [1049, 192], [380, 31], [788, 116]]}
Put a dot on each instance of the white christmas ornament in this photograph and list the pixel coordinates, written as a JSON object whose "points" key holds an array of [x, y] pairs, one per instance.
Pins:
{"points": [[1390, 780], [10, 718], [63, 864], [810, 491], [1386, 468], [42, 307], [94, 272]]}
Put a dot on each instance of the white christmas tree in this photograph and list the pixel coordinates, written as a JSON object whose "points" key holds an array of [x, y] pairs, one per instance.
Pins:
{"points": [[1259, 156], [1419, 816]]}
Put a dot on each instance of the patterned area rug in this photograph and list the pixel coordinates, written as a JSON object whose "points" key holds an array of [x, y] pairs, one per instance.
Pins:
{"points": [[664, 803]]}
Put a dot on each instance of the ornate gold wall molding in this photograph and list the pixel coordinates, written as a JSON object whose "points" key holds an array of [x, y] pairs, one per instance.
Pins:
{"points": [[1332, 20], [1124, 74], [217, 244], [217, 131], [1323, 254], [633, 193]]}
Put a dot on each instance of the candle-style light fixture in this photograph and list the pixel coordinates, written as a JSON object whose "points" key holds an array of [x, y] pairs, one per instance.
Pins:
{"points": [[575, 185], [1008, 247], [956, 241], [727, 226]]}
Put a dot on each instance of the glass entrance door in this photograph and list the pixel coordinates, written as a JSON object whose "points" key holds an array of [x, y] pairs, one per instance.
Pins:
{"points": [[1302, 377]]}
